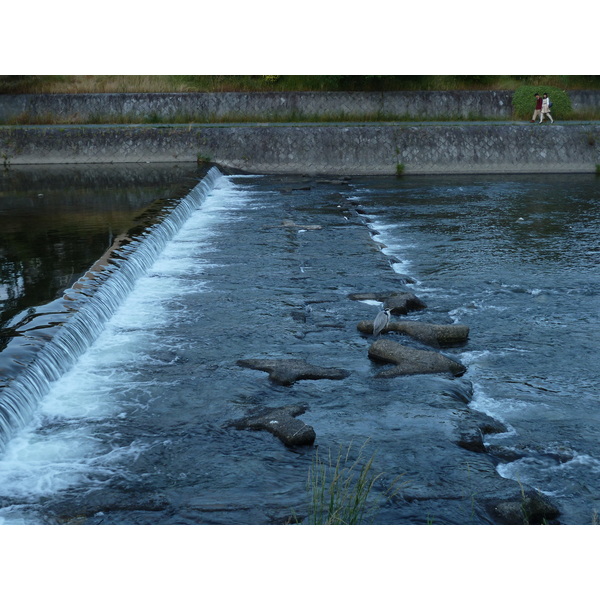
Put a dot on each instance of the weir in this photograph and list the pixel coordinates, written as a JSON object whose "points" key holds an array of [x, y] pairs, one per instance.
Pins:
{"points": [[48, 342], [139, 429]]}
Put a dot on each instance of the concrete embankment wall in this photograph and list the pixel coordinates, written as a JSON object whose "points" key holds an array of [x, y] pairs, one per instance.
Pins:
{"points": [[211, 107], [264, 106], [313, 149]]}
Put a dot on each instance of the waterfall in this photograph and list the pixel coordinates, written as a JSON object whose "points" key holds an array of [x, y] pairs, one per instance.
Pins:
{"points": [[51, 339]]}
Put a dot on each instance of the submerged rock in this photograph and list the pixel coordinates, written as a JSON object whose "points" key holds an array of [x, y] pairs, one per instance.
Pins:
{"points": [[282, 423], [427, 333], [287, 371], [292, 225], [382, 296], [529, 507], [96, 506], [473, 425], [471, 438], [401, 304], [377, 296], [487, 424], [459, 391], [506, 453], [411, 361], [343, 181]]}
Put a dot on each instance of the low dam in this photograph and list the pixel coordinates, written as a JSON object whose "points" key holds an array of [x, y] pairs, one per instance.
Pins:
{"points": [[131, 389]]}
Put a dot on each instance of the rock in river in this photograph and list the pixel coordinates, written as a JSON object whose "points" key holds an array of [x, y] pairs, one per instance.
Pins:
{"points": [[287, 371], [428, 333], [397, 302], [411, 361], [401, 304], [527, 507], [282, 423]]}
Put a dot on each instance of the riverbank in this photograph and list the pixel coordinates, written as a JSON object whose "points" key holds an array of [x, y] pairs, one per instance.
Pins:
{"points": [[312, 149]]}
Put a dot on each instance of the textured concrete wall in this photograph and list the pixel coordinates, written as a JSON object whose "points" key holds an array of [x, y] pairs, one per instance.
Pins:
{"points": [[210, 107], [311, 149], [585, 100], [207, 107]]}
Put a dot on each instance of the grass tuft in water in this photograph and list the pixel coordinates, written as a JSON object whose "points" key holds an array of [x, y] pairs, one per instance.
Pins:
{"points": [[340, 488]]}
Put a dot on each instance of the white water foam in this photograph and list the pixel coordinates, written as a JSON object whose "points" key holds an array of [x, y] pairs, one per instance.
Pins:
{"points": [[82, 313], [499, 408], [551, 478], [372, 302], [63, 445], [389, 235]]}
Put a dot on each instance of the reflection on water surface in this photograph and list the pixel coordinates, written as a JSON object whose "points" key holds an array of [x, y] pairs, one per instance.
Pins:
{"points": [[56, 221]]}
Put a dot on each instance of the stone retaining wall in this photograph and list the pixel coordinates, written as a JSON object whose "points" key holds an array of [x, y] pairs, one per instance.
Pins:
{"points": [[585, 100], [211, 107], [314, 149]]}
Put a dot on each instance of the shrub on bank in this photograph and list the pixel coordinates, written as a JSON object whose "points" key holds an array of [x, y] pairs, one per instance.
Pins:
{"points": [[524, 101]]}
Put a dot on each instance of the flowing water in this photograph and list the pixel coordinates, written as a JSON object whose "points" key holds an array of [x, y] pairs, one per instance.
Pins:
{"points": [[518, 259], [129, 422]]}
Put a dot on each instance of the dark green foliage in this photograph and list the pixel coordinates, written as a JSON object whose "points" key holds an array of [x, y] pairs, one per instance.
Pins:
{"points": [[524, 101], [51, 84]]}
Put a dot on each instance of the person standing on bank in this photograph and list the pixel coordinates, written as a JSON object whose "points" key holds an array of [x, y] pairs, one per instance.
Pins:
{"points": [[546, 109], [538, 108]]}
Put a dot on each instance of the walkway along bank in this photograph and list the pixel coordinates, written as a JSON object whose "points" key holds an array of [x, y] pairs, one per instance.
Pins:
{"points": [[347, 148]]}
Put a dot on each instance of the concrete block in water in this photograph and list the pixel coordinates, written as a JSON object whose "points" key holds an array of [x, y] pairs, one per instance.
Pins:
{"points": [[411, 361], [282, 423], [428, 333], [287, 371]]}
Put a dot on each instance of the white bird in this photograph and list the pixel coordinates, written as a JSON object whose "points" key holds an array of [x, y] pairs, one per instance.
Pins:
{"points": [[381, 321]]}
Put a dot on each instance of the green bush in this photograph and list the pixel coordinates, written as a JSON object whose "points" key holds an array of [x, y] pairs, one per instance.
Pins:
{"points": [[524, 101]]}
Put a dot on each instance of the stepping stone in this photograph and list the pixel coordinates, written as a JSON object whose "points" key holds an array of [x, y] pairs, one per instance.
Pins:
{"points": [[427, 333], [282, 423], [411, 361], [401, 304], [288, 371]]}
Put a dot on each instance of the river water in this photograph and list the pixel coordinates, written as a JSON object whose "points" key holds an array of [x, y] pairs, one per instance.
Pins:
{"points": [[137, 429]]}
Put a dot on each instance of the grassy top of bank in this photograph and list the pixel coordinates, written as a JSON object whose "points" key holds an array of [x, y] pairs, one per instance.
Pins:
{"points": [[98, 84]]}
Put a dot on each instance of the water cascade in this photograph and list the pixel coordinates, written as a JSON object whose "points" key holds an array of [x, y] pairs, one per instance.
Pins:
{"points": [[48, 341]]}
